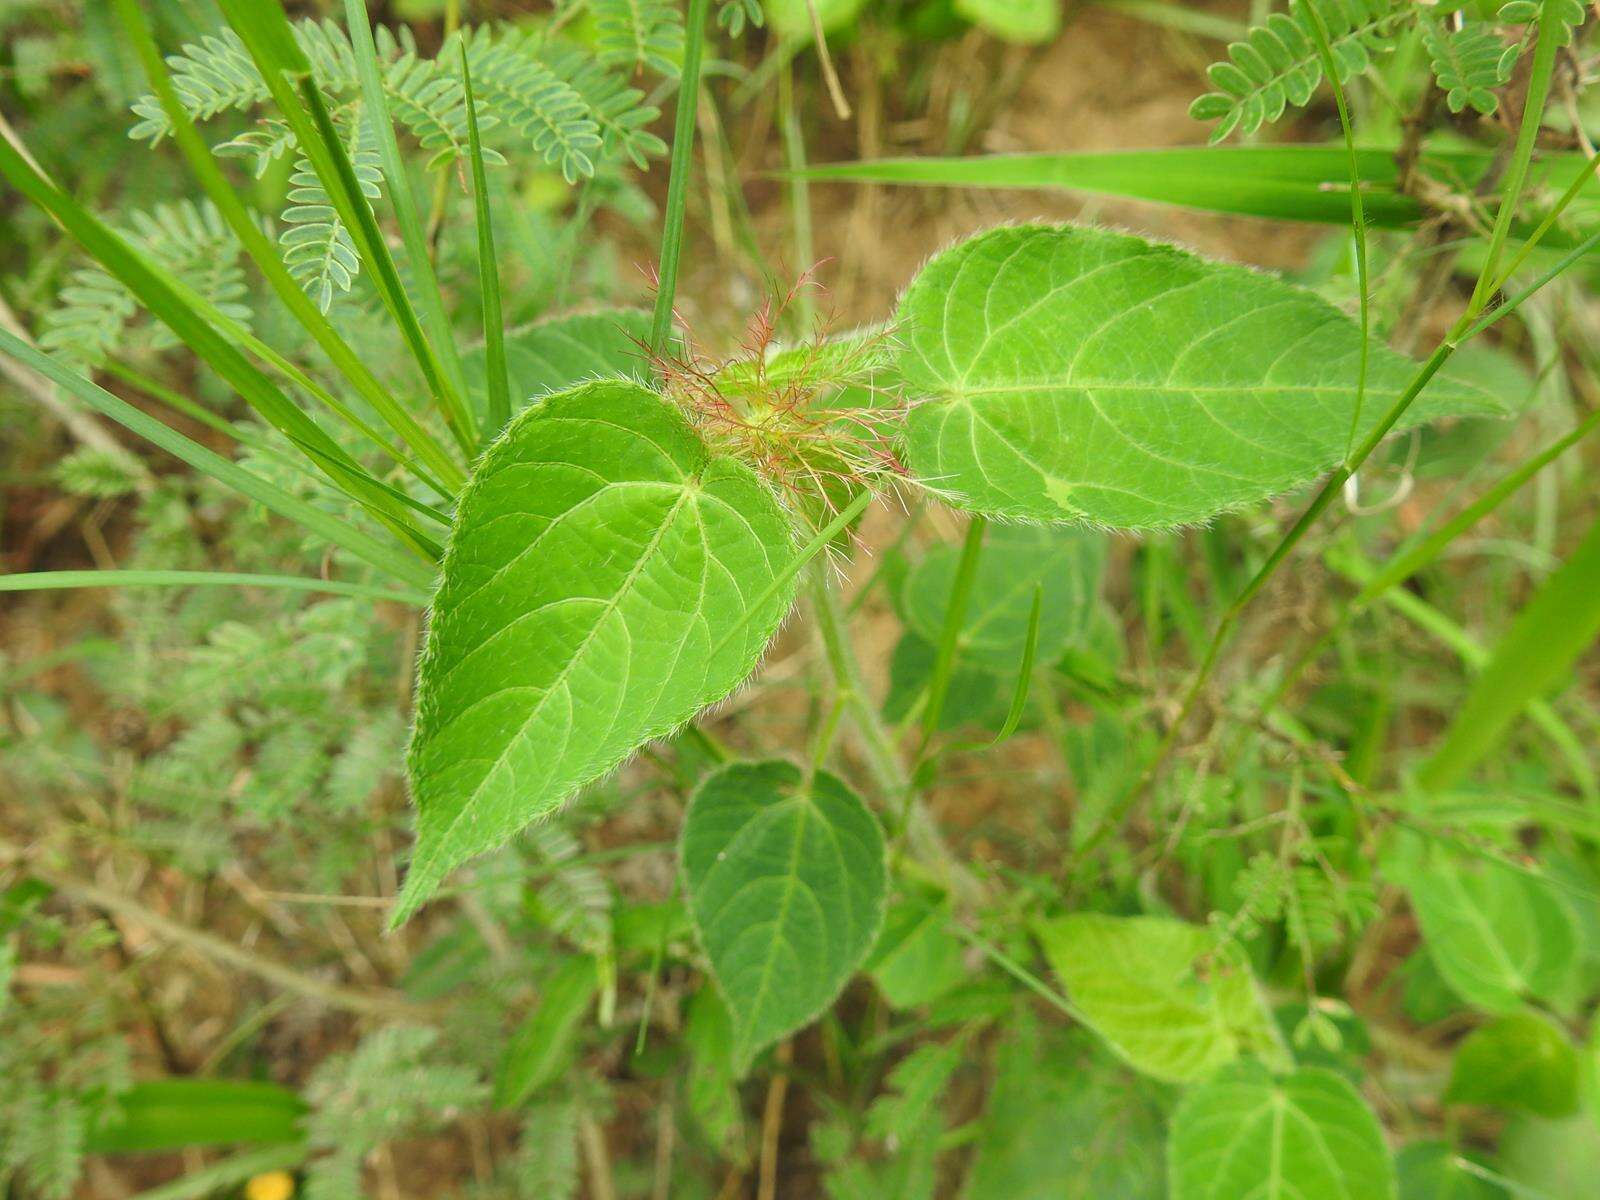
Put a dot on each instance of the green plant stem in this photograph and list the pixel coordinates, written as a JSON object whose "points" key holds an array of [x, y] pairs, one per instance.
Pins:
{"points": [[883, 763], [794, 153], [682, 168], [1545, 49], [944, 661], [1465, 326]]}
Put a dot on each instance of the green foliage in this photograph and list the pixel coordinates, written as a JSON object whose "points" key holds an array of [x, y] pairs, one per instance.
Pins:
{"points": [[1028, 22], [1165, 996], [635, 34], [95, 315], [1521, 1061], [394, 1082], [562, 352], [1469, 63], [786, 880], [1434, 1171], [543, 1047], [521, 622], [1307, 1134], [1278, 65], [1064, 1124], [1498, 935], [1065, 565], [1066, 374]]}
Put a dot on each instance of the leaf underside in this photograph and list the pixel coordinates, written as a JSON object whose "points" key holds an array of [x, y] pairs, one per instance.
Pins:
{"points": [[786, 881], [1070, 374], [595, 596]]}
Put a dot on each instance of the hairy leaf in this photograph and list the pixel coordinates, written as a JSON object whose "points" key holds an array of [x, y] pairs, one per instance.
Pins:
{"points": [[1308, 1135], [1070, 374], [597, 593], [786, 882], [1163, 994], [1519, 1061]]}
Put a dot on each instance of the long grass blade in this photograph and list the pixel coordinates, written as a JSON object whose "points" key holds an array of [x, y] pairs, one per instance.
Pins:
{"points": [[1558, 624], [406, 213], [265, 256], [264, 29], [387, 558], [682, 167], [494, 336], [1285, 183]]}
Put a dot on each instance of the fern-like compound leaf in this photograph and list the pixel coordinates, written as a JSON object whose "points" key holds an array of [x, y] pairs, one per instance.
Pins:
{"points": [[606, 578], [1278, 65], [535, 101], [635, 34], [317, 248], [1468, 63]]}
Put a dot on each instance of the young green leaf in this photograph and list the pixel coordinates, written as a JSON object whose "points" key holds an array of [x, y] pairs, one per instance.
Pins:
{"points": [[1067, 563], [598, 556], [1308, 1135], [1498, 935], [1519, 1061], [1164, 995], [786, 879], [1070, 374], [170, 1114]]}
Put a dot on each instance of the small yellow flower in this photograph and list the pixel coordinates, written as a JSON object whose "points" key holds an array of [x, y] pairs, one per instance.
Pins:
{"points": [[274, 1185]]}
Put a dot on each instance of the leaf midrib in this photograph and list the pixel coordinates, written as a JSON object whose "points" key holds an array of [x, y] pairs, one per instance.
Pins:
{"points": [[471, 802]]}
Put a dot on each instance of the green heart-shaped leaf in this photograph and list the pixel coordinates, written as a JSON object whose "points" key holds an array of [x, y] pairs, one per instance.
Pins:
{"points": [[786, 882], [1308, 1135], [597, 591], [1071, 374]]}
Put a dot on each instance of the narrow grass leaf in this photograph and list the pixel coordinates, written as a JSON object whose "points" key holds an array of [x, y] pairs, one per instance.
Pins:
{"points": [[386, 558], [496, 384], [40, 581], [1537, 652]]}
